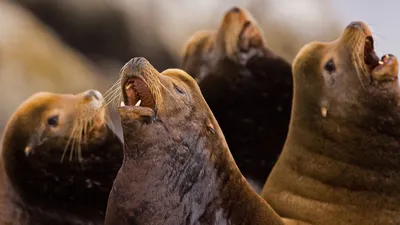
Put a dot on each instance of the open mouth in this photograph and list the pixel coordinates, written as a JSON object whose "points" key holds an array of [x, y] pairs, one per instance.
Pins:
{"points": [[249, 37], [370, 57], [138, 94]]}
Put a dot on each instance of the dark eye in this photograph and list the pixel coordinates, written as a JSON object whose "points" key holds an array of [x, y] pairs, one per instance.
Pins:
{"points": [[179, 89], [53, 121], [330, 66]]}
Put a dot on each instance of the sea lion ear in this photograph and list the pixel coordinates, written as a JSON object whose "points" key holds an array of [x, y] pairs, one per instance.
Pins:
{"points": [[250, 41], [210, 126], [36, 139]]}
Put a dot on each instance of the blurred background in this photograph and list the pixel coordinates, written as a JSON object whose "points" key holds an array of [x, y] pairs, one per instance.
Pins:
{"points": [[68, 46]]}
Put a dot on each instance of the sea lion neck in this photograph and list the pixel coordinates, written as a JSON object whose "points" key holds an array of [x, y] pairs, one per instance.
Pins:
{"points": [[340, 162], [183, 163]]}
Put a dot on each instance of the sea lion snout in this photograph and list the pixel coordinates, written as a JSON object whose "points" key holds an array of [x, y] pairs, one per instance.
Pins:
{"points": [[235, 9], [93, 94], [355, 24], [360, 26], [134, 66]]}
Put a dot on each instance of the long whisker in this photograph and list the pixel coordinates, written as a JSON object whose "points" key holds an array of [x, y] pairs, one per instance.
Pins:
{"points": [[116, 84], [69, 142], [72, 149], [115, 97], [359, 61], [112, 93], [81, 137]]}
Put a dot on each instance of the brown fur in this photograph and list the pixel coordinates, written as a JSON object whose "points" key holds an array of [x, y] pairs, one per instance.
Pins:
{"points": [[248, 88], [177, 166], [36, 185], [341, 161]]}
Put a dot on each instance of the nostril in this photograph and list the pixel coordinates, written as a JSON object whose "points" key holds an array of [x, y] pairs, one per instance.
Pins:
{"points": [[92, 94], [235, 9], [356, 24]]}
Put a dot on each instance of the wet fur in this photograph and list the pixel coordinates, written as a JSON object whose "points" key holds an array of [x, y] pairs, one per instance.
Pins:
{"points": [[341, 168], [250, 93], [39, 188], [177, 166]]}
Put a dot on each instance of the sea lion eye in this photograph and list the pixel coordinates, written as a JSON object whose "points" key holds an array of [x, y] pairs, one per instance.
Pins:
{"points": [[53, 121], [330, 66], [179, 89]]}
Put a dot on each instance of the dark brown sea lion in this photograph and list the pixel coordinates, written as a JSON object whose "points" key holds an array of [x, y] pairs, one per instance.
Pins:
{"points": [[341, 160], [58, 161], [177, 167], [248, 88]]}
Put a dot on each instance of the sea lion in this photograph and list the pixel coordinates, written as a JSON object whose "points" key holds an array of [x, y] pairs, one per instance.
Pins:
{"points": [[248, 88], [38, 185], [177, 167], [341, 160]]}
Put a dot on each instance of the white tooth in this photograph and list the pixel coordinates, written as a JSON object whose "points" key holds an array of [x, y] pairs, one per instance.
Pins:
{"points": [[138, 103], [122, 103], [380, 62], [324, 112], [129, 86]]}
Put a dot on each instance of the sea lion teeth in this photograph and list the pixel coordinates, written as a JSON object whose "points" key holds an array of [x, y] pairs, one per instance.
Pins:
{"points": [[28, 150], [324, 112], [128, 86], [138, 103], [122, 103]]}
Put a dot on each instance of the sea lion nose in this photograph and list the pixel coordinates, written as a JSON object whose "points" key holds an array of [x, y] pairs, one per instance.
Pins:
{"points": [[356, 24], [134, 65], [235, 9], [93, 94], [138, 61]]}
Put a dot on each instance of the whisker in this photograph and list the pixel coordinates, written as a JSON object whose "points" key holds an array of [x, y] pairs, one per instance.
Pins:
{"points": [[106, 104], [117, 83], [359, 61], [111, 93], [82, 137], [112, 97], [68, 143], [72, 149]]}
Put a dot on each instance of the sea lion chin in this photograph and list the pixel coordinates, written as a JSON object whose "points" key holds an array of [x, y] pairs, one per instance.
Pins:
{"points": [[58, 160], [247, 86], [177, 167], [340, 162]]}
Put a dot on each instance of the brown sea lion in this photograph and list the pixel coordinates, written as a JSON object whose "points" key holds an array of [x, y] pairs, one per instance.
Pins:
{"points": [[177, 167], [248, 88], [58, 161], [341, 160]]}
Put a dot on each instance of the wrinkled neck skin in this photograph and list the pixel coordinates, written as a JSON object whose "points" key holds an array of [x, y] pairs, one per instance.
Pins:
{"points": [[347, 166], [180, 176], [50, 192]]}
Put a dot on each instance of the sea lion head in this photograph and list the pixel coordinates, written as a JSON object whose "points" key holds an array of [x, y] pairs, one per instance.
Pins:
{"points": [[174, 152], [45, 131], [48, 124], [161, 99], [237, 39], [346, 81], [239, 36]]}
